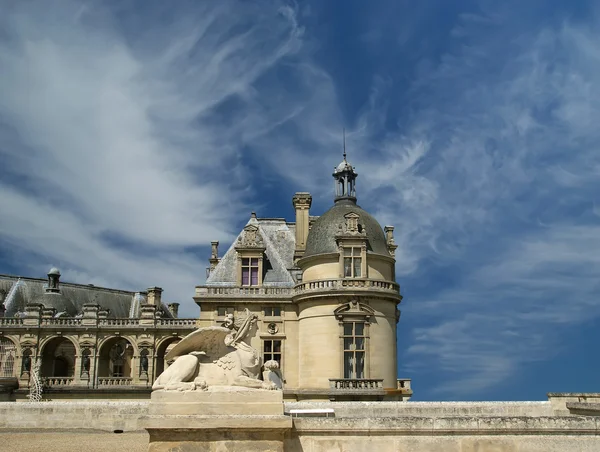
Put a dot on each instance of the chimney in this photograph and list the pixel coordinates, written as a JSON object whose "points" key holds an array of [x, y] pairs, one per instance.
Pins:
{"points": [[173, 309], [301, 202], [214, 256], [154, 296], [389, 238]]}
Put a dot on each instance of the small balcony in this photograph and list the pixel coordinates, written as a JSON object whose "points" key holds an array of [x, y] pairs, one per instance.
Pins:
{"points": [[114, 381], [53, 382], [356, 384], [345, 285]]}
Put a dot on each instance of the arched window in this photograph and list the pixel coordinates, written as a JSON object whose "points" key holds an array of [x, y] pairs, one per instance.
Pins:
{"points": [[58, 359], [115, 358], [8, 352]]}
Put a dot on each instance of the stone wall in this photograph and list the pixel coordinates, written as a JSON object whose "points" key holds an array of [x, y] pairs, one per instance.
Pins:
{"points": [[107, 416], [359, 426]]}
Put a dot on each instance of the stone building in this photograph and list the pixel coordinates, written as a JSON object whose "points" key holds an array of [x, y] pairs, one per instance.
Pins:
{"points": [[89, 341], [325, 292], [323, 288]]}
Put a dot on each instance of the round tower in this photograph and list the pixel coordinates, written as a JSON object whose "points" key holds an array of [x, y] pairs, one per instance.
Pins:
{"points": [[347, 300]]}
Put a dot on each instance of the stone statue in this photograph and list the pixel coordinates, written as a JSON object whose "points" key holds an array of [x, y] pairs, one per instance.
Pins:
{"points": [[215, 356]]}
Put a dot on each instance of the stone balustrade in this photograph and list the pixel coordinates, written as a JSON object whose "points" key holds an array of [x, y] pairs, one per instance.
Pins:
{"points": [[115, 381], [119, 322], [11, 321], [72, 322], [234, 292], [61, 321], [345, 284], [359, 384], [176, 322], [57, 381]]}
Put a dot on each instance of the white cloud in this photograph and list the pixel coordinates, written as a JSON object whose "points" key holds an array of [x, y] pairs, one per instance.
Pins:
{"points": [[123, 146]]}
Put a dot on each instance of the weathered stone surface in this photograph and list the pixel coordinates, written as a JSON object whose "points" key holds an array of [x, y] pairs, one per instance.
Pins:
{"points": [[217, 401]]}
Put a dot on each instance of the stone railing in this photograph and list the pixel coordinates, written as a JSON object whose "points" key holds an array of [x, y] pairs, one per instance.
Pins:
{"points": [[114, 381], [176, 322], [61, 321], [73, 322], [57, 381], [119, 322], [344, 284], [234, 292], [358, 384], [404, 383], [11, 321]]}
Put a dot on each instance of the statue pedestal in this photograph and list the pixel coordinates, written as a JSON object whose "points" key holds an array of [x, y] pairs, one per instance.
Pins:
{"points": [[221, 419]]}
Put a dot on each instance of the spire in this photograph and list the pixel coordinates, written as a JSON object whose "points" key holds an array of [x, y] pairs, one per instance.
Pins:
{"points": [[344, 132], [345, 178]]}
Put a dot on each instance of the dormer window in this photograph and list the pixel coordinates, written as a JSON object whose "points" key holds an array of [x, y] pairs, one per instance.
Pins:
{"points": [[352, 262], [250, 271]]}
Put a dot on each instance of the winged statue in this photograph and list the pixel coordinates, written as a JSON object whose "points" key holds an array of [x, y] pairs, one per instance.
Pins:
{"points": [[215, 356]]}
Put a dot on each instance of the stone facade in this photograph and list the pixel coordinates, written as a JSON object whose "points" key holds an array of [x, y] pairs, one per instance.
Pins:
{"points": [[325, 294], [111, 346]]}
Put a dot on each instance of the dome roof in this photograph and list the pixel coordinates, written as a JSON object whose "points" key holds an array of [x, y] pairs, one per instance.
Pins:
{"points": [[57, 301], [343, 166], [54, 271], [321, 238]]}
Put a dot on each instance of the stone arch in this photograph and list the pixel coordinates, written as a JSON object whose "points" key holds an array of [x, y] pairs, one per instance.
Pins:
{"points": [[58, 357], [115, 358], [8, 357], [162, 349]]}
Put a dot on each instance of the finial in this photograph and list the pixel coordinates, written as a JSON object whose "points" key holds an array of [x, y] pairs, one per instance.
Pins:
{"points": [[344, 133]]}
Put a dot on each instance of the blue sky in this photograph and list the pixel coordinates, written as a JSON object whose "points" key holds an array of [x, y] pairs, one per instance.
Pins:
{"points": [[134, 133]]}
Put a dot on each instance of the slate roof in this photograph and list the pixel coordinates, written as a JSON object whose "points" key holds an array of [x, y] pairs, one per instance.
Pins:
{"points": [[32, 290], [279, 241], [321, 238]]}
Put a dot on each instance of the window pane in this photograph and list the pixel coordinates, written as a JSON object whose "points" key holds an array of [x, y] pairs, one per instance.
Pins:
{"points": [[347, 266], [348, 343], [268, 346], [359, 329], [221, 311], [277, 312], [348, 365], [245, 276], [360, 365], [347, 329], [277, 357], [277, 346], [268, 312], [360, 343], [347, 251], [254, 281], [245, 261], [254, 261], [357, 262]]}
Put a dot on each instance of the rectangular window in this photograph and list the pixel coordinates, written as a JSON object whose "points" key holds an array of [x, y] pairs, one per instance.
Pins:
{"points": [[250, 271], [352, 262], [222, 311], [354, 350], [272, 311], [272, 350]]}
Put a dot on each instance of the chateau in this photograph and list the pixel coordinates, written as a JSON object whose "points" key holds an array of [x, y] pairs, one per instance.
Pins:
{"points": [[315, 300], [323, 288]]}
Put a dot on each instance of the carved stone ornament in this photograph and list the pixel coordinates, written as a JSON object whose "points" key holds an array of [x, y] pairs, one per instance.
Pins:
{"points": [[215, 356], [251, 238], [352, 227], [354, 309], [272, 328]]}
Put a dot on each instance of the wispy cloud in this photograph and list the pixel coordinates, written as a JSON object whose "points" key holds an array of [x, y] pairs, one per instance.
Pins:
{"points": [[502, 153], [116, 136]]}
